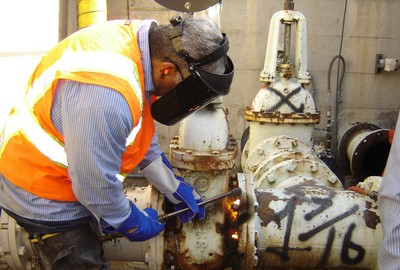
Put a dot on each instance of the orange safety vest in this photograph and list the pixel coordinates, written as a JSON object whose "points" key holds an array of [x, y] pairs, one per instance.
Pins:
{"points": [[32, 154]]}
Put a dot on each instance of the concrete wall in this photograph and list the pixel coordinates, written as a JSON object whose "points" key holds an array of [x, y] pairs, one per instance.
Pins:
{"points": [[370, 28]]}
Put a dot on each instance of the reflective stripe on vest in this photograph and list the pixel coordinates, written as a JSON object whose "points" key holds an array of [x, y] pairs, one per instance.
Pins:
{"points": [[123, 68], [101, 62], [134, 132], [49, 146]]}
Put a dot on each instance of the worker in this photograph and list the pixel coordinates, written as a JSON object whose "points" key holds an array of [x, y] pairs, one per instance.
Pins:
{"points": [[87, 119], [389, 207]]}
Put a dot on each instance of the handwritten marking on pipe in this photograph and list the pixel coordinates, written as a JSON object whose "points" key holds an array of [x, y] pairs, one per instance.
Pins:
{"points": [[348, 244], [311, 233], [288, 212]]}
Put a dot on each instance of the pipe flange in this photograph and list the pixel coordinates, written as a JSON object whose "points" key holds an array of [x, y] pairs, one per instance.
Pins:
{"points": [[282, 118], [247, 232], [348, 135], [270, 146], [188, 159], [364, 161], [279, 173], [280, 156]]}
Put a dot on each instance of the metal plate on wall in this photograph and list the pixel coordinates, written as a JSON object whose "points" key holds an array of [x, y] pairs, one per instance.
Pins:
{"points": [[187, 6]]}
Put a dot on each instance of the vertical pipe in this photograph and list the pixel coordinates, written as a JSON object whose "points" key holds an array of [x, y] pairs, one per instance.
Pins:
{"points": [[91, 12]]}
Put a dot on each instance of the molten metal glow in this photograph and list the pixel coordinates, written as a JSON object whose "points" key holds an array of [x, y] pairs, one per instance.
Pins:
{"points": [[237, 202], [234, 215], [235, 235], [234, 207]]}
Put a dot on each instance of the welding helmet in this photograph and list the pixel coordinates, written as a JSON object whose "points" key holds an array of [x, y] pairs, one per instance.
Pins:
{"points": [[198, 89]]}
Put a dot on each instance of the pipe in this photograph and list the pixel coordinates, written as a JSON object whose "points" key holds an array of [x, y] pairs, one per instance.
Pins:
{"points": [[331, 140], [302, 218], [302, 223], [204, 154], [163, 217], [293, 212], [364, 149], [306, 225], [91, 12]]}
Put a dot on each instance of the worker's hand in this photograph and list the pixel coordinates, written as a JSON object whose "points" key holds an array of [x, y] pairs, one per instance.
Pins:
{"points": [[181, 194], [141, 225], [186, 196]]}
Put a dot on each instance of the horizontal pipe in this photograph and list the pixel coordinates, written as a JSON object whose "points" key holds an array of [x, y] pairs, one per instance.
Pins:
{"points": [[307, 225], [364, 149]]}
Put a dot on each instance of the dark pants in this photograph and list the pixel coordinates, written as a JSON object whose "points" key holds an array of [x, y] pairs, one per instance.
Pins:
{"points": [[76, 249]]}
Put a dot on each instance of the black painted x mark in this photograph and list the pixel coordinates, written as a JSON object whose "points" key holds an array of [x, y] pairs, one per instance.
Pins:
{"points": [[286, 100]]}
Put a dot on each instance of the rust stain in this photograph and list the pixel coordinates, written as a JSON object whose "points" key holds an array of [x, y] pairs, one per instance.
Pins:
{"points": [[371, 219], [179, 257], [265, 213], [368, 205]]}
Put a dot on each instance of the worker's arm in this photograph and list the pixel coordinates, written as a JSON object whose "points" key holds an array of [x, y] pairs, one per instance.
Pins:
{"points": [[96, 122], [158, 171], [152, 154], [161, 175]]}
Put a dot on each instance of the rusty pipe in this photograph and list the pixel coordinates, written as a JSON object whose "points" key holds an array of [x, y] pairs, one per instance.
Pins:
{"points": [[163, 217]]}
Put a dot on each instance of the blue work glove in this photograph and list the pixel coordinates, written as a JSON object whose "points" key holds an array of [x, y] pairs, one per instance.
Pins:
{"points": [[161, 175], [186, 196], [140, 225]]}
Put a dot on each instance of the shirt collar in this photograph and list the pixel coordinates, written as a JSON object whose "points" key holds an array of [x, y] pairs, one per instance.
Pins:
{"points": [[144, 47]]}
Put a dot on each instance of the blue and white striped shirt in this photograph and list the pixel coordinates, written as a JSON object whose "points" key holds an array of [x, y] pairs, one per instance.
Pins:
{"points": [[95, 122], [389, 208]]}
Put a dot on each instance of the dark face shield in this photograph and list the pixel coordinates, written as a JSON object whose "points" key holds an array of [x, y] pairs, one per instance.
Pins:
{"points": [[192, 94], [197, 90]]}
